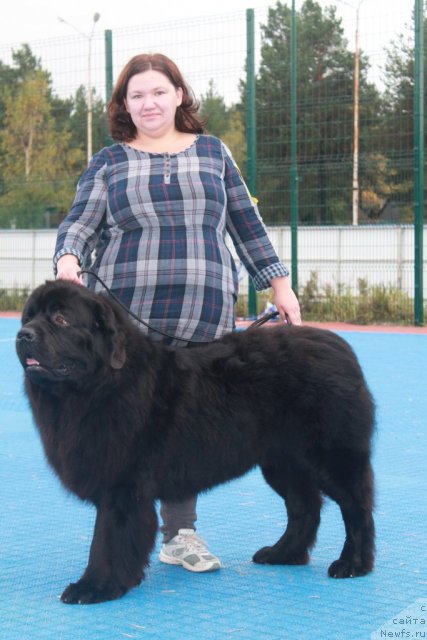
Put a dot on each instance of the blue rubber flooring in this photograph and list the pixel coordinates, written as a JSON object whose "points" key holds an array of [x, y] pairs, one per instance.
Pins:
{"points": [[45, 536]]}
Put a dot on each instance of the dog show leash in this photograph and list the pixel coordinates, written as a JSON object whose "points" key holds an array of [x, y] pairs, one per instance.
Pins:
{"points": [[258, 323]]}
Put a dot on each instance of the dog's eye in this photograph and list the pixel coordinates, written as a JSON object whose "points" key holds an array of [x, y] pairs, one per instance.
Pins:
{"points": [[58, 318]]}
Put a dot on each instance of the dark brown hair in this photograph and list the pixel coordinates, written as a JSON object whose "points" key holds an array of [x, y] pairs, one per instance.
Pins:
{"points": [[122, 129]]}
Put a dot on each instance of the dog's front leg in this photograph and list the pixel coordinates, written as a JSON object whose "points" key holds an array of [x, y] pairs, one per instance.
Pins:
{"points": [[124, 536]]}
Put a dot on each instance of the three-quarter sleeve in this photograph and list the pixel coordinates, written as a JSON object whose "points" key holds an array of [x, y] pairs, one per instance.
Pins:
{"points": [[78, 232]]}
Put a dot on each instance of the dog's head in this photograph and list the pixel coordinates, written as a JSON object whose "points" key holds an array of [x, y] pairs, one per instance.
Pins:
{"points": [[69, 334]]}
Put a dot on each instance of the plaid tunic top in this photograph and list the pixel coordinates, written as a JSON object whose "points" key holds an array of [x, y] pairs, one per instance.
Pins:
{"points": [[158, 224]]}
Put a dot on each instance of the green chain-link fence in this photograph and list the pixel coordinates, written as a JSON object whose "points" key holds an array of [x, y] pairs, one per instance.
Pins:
{"points": [[336, 133]]}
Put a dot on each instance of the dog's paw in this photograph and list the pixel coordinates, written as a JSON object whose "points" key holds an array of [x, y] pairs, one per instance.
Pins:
{"points": [[83, 592], [346, 569], [273, 555], [262, 555]]}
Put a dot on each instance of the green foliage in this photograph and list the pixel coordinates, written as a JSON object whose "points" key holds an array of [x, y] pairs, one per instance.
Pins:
{"points": [[13, 300], [398, 113], [43, 137], [42, 143], [325, 72], [325, 123], [378, 304], [38, 160], [215, 111], [263, 298], [372, 305], [224, 122], [77, 123]]}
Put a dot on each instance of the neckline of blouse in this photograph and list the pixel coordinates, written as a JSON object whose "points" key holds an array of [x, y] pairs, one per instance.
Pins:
{"points": [[160, 154]]}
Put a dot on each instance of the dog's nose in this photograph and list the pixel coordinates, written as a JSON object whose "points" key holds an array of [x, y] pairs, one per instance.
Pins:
{"points": [[27, 334]]}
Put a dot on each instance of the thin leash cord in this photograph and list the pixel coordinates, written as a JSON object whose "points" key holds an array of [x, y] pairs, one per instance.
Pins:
{"points": [[254, 325]]}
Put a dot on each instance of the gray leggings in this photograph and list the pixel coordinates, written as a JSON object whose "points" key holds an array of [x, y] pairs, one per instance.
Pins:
{"points": [[177, 515]]}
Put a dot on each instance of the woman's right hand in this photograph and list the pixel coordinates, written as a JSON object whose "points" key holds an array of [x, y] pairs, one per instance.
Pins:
{"points": [[68, 268]]}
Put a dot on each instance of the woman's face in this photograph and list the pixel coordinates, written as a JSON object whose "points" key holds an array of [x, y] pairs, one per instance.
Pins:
{"points": [[151, 101]]}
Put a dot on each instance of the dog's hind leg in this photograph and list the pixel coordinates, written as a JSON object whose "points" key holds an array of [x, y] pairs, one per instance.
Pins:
{"points": [[303, 503], [124, 535], [350, 484]]}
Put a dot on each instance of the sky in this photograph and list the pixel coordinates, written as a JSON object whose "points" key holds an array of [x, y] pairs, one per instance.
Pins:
{"points": [[28, 20], [37, 24]]}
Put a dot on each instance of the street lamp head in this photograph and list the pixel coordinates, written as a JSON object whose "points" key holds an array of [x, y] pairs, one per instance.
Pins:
{"points": [[96, 16]]}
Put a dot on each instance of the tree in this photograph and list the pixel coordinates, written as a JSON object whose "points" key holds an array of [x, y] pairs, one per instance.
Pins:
{"points": [[234, 137], [38, 163], [11, 78], [398, 114], [78, 121], [325, 71], [42, 141], [214, 110], [224, 122]]}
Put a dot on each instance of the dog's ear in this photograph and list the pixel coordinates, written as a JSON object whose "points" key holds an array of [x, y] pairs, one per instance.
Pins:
{"points": [[110, 323], [118, 352]]}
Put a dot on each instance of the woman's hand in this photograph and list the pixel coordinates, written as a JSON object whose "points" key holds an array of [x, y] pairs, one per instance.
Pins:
{"points": [[67, 268], [286, 301]]}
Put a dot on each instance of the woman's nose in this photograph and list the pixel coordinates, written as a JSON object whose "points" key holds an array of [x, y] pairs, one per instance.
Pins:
{"points": [[148, 103]]}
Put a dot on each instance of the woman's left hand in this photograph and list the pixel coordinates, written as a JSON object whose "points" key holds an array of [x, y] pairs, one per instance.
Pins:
{"points": [[286, 301]]}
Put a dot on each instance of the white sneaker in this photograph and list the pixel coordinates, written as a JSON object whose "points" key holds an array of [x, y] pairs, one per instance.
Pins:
{"points": [[188, 550]]}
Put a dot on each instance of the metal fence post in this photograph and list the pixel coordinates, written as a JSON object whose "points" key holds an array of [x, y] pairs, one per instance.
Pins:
{"points": [[108, 35], [294, 162], [419, 162], [251, 131]]}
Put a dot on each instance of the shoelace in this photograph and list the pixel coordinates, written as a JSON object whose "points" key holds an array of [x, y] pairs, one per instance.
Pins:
{"points": [[193, 543]]}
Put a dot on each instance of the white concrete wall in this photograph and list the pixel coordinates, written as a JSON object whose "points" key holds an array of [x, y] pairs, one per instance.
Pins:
{"points": [[343, 255], [25, 258], [339, 255]]}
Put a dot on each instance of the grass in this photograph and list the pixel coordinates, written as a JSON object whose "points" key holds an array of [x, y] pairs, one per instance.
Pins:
{"points": [[13, 300], [378, 304]]}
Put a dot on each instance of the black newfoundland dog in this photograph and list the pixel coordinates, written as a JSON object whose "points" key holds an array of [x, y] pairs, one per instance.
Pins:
{"points": [[126, 421]]}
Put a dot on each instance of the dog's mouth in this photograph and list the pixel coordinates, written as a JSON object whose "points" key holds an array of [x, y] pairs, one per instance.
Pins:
{"points": [[31, 362], [33, 366]]}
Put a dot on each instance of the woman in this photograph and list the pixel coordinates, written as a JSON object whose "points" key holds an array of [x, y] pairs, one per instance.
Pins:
{"points": [[157, 206]]}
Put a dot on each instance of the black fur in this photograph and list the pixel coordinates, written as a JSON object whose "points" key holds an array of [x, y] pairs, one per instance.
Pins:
{"points": [[126, 421]]}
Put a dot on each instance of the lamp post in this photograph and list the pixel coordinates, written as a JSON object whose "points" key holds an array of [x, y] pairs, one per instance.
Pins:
{"points": [[356, 84], [88, 37]]}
